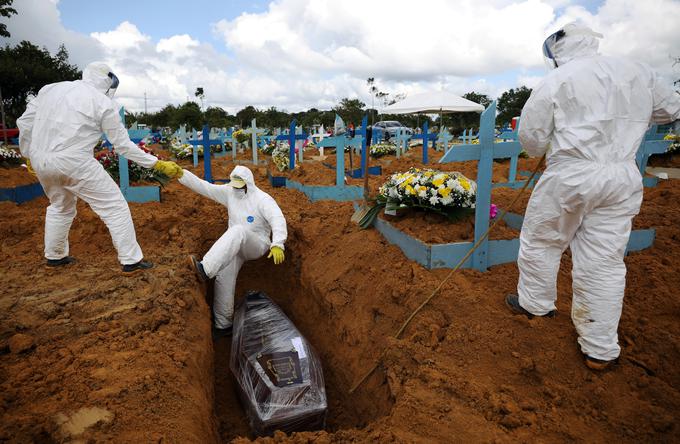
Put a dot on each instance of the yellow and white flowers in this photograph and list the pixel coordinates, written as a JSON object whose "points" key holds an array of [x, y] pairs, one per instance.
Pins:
{"points": [[9, 156], [182, 150], [432, 189], [383, 149], [674, 147], [280, 156]]}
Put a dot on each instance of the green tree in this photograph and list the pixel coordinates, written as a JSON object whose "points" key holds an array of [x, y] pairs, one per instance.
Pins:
{"points": [[25, 68], [5, 11], [245, 115], [189, 114], [351, 110], [510, 104], [216, 117], [273, 118]]}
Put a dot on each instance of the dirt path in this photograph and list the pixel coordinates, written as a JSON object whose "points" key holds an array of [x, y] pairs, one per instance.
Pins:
{"points": [[129, 359]]}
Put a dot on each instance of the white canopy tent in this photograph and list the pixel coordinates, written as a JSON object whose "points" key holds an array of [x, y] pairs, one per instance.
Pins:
{"points": [[438, 102]]}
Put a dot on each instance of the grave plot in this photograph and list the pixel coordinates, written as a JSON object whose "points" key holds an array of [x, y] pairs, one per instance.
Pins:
{"points": [[16, 183], [414, 237], [134, 354]]}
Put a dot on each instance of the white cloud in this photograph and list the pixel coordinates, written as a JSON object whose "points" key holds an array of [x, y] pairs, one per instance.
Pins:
{"points": [[39, 22], [124, 38], [298, 54]]}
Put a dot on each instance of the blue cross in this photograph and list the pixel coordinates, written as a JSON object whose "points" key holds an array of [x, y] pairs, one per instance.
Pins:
{"points": [[426, 137], [141, 194], [291, 137]]}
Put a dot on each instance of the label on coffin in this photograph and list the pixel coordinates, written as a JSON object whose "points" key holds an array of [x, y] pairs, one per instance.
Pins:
{"points": [[282, 368]]}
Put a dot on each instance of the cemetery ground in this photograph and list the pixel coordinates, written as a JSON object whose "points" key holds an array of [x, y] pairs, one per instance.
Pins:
{"points": [[90, 355]]}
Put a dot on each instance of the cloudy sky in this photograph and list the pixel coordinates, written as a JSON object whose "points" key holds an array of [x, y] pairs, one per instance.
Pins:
{"points": [[298, 54]]}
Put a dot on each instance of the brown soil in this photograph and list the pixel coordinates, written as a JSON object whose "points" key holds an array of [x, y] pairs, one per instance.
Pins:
{"points": [[664, 160], [465, 370], [15, 176], [437, 229]]}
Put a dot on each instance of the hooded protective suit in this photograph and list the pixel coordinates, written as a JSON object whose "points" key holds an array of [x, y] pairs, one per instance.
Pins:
{"points": [[254, 218], [58, 133], [591, 113]]}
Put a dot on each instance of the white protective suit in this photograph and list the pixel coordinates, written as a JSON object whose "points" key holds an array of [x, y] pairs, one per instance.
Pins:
{"points": [[591, 113], [254, 218], [58, 133]]}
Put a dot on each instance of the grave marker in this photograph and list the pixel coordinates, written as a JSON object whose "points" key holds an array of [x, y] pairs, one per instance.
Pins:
{"points": [[426, 137]]}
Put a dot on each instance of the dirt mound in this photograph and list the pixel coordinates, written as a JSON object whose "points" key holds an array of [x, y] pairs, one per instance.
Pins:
{"points": [[15, 176], [136, 351]]}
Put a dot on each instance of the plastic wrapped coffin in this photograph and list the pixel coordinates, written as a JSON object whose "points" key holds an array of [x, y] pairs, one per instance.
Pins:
{"points": [[278, 374]]}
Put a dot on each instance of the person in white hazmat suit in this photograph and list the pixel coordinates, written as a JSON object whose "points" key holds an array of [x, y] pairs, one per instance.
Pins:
{"points": [[256, 225], [590, 115], [57, 135]]}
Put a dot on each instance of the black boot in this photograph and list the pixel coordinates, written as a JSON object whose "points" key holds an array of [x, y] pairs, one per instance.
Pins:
{"points": [[599, 364], [219, 333], [60, 262], [135, 268], [512, 301]]}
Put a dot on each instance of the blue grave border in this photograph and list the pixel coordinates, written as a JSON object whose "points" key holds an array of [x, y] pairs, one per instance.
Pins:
{"points": [[489, 252], [22, 193]]}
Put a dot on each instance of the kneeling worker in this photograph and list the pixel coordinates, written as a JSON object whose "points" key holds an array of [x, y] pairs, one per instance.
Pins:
{"points": [[256, 225]]}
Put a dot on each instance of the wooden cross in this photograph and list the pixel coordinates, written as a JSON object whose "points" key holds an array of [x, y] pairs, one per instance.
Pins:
{"points": [[426, 137], [254, 131], [444, 137], [291, 137], [401, 140]]}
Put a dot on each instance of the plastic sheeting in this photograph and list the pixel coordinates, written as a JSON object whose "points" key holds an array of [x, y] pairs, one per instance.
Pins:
{"points": [[279, 375]]}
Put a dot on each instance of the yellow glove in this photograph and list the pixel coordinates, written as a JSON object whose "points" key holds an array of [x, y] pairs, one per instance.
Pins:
{"points": [[170, 169], [277, 254], [29, 168]]}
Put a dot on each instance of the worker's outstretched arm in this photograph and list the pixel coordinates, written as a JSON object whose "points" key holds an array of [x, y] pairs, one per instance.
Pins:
{"points": [[536, 123], [276, 221], [666, 108], [113, 127], [217, 193], [25, 125]]}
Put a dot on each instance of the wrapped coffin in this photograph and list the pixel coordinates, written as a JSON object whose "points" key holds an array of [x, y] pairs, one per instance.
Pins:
{"points": [[278, 374]]}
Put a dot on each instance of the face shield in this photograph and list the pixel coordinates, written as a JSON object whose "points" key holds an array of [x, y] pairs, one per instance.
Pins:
{"points": [[114, 85], [549, 46], [551, 43]]}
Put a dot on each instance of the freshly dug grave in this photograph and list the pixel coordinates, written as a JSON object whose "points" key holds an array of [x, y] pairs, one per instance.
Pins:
{"points": [[464, 370]]}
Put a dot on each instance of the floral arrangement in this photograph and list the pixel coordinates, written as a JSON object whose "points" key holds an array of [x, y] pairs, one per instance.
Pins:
{"points": [[241, 136], [269, 147], [280, 156], [137, 173], [9, 157], [448, 193], [674, 147], [383, 149], [182, 150]]}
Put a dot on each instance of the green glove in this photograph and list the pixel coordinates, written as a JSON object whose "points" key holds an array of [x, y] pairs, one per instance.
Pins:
{"points": [[170, 169], [277, 254]]}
